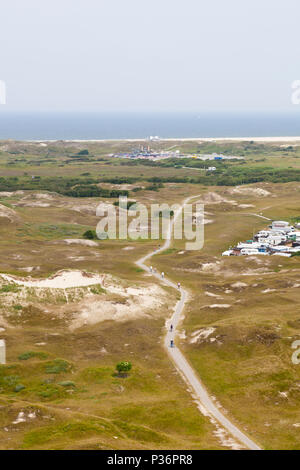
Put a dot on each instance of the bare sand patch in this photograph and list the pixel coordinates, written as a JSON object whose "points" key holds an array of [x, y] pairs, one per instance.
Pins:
{"points": [[218, 306], [85, 208], [44, 196], [22, 417], [36, 200], [239, 284], [267, 291], [211, 267], [255, 272], [36, 204], [124, 186], [8, 213], [116, 301], [226, 440], [11, 193], [79, 241], [199, 336], [56, 200], [211, 294], [135, 302], [60, 280], [215, 198], [250, 191], [27, 269]]}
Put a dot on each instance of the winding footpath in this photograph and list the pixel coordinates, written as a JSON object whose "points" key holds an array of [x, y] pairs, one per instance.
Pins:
{"points": [[206, 404]]}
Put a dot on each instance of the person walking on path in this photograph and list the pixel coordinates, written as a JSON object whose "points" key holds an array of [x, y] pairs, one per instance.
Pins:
{"points": [[151, 269], [162, 275]]}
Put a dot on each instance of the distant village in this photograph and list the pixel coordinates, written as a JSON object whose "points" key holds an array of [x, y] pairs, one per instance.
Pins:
{"points": [[279, 239], [145, 152]]}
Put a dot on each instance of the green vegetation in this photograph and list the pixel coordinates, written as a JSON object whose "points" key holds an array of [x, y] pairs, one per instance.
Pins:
{"points": [[168, 251], [73, 187], [155, 187], [57, 366], [9, 288], [67, 383], [124, 205], [262, 163], [72, 431], [8, 382], [28, 355], [77, 394], [123, 367], [17, 307], [90, 235], [97, 290]]}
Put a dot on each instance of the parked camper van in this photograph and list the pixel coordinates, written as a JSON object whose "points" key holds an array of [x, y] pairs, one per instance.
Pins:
{"points": [[263, 233], [227, 253], [281, 225]]}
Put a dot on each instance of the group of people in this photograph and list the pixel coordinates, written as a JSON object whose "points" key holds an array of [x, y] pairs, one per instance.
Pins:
{"points": [[153, 270], [171, 341]]}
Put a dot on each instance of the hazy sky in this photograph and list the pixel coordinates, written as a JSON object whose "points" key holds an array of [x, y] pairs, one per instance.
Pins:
{"points": [[149, 54]]}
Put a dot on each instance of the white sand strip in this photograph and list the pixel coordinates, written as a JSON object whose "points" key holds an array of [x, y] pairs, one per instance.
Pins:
{"points": [[61, 280]]}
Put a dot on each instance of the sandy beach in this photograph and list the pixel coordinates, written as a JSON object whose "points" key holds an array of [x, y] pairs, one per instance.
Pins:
{"points": [[282, 139]]}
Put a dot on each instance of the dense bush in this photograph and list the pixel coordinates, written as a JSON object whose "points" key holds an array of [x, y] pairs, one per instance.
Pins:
{"points": [[74, 187], [124, 205], [123, 367], [90, 235], [28, 355]]}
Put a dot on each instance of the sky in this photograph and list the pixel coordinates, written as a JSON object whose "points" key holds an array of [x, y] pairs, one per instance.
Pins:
{"points": [[149, 55]]}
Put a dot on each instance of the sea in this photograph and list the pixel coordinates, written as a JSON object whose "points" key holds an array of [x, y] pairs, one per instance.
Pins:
{"points": [[137, 125]]}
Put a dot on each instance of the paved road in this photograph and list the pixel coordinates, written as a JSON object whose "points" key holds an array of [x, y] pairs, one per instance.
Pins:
{"points": [[178, 358]]}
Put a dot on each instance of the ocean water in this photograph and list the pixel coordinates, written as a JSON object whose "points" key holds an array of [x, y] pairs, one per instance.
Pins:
{"points": [[92, 125]]}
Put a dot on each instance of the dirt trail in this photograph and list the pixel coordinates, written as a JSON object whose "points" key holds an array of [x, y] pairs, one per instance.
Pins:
{"points": [[260, 216], [206, 403]]}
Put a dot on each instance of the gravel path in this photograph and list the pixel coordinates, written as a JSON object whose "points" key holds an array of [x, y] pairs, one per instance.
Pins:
{"points": [[182, 365]]}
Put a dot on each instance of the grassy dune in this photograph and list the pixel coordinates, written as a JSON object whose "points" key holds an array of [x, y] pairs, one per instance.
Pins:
{"points": [[247, 365], [63, 380]]}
